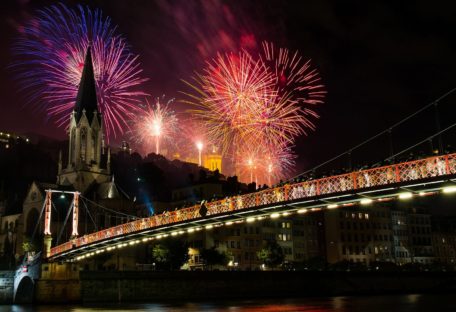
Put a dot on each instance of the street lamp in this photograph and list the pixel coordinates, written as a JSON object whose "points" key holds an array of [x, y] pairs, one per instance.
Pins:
{"points": [[157, 129], [199, 146], [250, 164]]}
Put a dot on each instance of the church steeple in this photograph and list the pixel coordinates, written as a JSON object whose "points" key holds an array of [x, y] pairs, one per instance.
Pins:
{"points": [[85, 163], [86, 99]]}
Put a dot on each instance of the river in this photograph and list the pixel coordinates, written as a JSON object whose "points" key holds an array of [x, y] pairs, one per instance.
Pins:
{"points": [[391, 303]]}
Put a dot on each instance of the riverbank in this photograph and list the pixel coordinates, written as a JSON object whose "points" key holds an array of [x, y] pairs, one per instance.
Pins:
{"points": [[141, 286]]}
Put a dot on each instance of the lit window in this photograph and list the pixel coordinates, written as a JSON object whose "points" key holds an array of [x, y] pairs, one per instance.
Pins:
{"points": [[366, 216]]}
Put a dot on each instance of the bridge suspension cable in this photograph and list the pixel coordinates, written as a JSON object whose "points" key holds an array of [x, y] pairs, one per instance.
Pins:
{"points": [[387, 130], [38, 222], [110, 210], [64, 223], [419, 143], [90, 216]]}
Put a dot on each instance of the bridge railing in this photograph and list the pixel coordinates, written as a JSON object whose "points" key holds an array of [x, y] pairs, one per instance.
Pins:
{"points": [[386, 175]]}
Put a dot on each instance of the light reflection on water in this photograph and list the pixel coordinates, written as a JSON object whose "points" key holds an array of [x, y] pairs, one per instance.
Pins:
{"points": [[393, 303]]}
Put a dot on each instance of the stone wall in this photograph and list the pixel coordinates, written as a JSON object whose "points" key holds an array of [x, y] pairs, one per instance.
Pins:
{"points": [[153, 286], [59, 283], [6, 287], [57, 291]]}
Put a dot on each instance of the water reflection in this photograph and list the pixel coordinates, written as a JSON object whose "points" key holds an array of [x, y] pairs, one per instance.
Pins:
{"points": [[392, 303]]}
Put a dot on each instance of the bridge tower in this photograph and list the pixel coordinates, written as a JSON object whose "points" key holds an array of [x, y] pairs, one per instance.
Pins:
{"points": [[85, 136]]}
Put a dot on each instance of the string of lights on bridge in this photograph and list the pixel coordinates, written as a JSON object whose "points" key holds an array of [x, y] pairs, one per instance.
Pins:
{"points": [[274, 215]]}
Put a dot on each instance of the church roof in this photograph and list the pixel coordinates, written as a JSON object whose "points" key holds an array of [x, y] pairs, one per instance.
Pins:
{"points": [[109, 190], [43, 186], [87, 94]]}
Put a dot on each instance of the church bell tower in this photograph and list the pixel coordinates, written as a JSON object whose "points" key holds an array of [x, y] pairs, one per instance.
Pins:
{"points": [[85, 137]]}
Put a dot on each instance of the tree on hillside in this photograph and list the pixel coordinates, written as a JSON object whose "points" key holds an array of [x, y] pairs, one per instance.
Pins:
{"points": [[178, 253], [160, 254], [272, 254], [170, 255], [213, 257]]}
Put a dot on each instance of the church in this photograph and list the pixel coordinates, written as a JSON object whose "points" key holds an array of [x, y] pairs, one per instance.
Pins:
{"points": [[87, 171]]}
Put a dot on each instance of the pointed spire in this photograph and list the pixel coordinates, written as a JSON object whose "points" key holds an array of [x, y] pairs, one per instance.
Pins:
{"points": [[113, 192], [86, 100], [108, 163], [60, 162]]}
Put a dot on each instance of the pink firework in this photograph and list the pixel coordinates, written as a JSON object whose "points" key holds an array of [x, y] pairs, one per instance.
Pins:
{"points": [[295, 78], [51, 52], [155, 126], [191, 133]]}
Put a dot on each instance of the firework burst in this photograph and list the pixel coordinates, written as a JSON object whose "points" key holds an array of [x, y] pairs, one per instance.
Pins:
{"points": [[295, 79], [50, 58], [155, 126], [275, 122], [229, 96], [264, 164], [190, 133], [254, 108]]}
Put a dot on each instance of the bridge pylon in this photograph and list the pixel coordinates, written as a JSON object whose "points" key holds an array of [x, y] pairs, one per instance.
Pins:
{"points": [[47, 243]]}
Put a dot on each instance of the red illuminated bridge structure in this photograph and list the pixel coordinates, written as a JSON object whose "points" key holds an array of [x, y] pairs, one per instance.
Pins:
{"points": [[422, 177]]}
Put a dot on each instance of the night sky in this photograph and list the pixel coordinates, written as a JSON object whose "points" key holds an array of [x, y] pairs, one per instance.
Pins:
{"points": [[379, 61]]}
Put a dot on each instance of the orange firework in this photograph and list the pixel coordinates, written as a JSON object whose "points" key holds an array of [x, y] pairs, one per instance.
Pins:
{"points": [[229, 96], [254, 108], [264, 164]]}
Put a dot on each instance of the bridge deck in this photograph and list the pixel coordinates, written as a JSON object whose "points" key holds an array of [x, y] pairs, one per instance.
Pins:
{"points": [[425, 170]]}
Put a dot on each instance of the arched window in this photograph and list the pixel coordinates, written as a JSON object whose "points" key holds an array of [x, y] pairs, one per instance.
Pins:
{"points": [[94, 147], [83, 144], [73, 145]]}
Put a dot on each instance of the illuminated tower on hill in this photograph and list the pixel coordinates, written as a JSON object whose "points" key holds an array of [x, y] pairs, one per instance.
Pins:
{"points": [[85, 137], [213, 160]]}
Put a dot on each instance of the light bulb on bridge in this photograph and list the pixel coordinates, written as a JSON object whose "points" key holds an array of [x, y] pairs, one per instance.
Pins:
{"points": [[449, 189], [275, 215], [199, 146], [366, 201], [405, 195]]}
